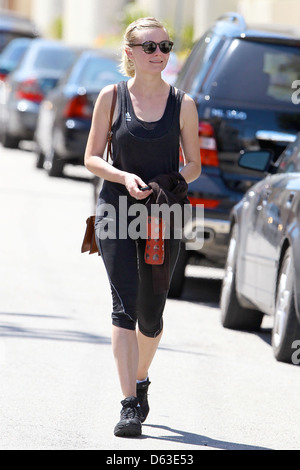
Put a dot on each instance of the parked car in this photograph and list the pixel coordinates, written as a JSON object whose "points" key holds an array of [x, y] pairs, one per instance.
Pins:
{"points": [[240, 79], [171, 71], [65, 116], [12, 55], [40, 69], [263, 264], [13, 25]]}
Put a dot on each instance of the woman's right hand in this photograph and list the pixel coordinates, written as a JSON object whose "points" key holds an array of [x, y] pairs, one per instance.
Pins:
{"points": [[133, 183]]}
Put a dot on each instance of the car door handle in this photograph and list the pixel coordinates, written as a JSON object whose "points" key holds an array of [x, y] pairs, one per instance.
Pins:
{"points": [[267, 193], [290, 199]]}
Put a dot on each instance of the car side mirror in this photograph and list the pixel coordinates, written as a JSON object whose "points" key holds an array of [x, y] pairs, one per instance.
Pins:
{"points": [[257, 160]]}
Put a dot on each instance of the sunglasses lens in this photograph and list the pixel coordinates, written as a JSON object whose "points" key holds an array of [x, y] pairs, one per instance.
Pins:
{"points": [[165, 47], [149, 47]]}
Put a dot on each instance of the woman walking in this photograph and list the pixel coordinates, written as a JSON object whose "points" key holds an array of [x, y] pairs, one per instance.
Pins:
{"points": [[151, 120]]}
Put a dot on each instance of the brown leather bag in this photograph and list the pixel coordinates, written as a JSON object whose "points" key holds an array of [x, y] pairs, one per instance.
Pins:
{"points": [[89, 240]]}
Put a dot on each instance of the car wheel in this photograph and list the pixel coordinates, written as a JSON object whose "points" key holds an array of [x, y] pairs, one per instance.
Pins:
{"points": [[177, 281], [9, 141], [40, 159], [286, 327], [55, 165], [233, 315]]}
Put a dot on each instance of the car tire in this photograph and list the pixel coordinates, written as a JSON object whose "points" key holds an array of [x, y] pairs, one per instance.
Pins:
{"points": [[40, 160], [55, 165], [10, 142], [233, 315], [286, 327], [178, 277]]}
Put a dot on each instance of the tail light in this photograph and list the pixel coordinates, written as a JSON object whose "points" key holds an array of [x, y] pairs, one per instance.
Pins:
{"points": [[3, 76], [30, 90], [207, 203], [209, 157], [78, 107], [208, 145], [181, 158]]}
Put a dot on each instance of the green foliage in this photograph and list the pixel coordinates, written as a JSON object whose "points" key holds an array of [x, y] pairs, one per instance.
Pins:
{"points": [[183, 40], [187, 37], [56, 28], [131, 13]]}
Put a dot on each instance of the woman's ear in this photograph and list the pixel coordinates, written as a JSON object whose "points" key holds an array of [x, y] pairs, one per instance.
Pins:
{"points": [[128, 52]]}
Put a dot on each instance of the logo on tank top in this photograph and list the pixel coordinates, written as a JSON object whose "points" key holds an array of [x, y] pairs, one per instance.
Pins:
{"points": [[128, 117]]}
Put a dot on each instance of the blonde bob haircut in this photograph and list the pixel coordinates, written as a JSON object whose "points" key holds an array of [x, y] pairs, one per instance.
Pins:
{"points": [[127, 65]]}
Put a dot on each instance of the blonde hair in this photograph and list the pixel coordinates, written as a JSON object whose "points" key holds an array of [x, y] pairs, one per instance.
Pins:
{"points": [[127, 65]]}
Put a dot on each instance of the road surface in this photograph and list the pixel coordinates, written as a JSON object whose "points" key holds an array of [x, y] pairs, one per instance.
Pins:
{"points": [[211, 388]]}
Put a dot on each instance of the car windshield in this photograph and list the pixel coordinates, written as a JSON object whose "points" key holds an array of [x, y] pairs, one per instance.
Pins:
{"points": [[7, 36], [95, 72], [290, 160], [257, 72], [13, 53]]}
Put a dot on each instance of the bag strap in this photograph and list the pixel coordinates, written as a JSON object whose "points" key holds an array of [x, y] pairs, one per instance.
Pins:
{"points": [[110, 134]]}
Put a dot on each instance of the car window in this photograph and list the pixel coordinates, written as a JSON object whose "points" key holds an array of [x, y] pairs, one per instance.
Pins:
{"points": [[290, 161], [12, 54], [57, 59], [198, 63], [7, 36], [257, 72], [96, 72]]}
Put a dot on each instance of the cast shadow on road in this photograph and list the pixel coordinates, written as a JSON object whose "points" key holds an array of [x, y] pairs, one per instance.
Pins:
{"points": [[202, 290], [184, 437], [207, 291], [13, 330]]}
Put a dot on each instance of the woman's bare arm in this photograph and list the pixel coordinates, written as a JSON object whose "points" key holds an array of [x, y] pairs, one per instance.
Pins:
{"points": [[189, 122], [96, 145]]}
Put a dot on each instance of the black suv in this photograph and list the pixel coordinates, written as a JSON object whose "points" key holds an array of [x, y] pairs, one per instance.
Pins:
{"points": [[241, 80]]}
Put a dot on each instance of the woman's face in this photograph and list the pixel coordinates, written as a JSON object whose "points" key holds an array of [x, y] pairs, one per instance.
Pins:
{"points": [[149, 63]]}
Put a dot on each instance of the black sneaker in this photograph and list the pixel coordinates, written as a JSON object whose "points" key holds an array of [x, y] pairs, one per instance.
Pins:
{"points": [[130, 422], [142, 394]]}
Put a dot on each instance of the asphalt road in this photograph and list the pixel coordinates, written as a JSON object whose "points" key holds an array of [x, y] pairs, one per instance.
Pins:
{"points": [[212, 389]]}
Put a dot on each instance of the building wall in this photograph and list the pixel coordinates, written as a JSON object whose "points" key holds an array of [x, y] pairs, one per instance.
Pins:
{"points": [[171, 11], [21, 6], [84, 22], [45, 13], [285, 12], [207, 11]]}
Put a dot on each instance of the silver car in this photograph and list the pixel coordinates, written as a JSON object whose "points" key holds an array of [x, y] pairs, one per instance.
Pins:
{"points": [[262, 274], [42, 66]]}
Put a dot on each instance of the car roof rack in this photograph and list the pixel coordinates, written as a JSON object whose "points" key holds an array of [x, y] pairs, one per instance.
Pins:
{"points": [[233, 17]]}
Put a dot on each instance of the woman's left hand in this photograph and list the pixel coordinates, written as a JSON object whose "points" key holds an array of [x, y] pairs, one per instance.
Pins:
{"points": [[133, 183]]}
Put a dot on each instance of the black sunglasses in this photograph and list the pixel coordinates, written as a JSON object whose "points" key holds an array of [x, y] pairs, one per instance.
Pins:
{"points": [[150, 46]]}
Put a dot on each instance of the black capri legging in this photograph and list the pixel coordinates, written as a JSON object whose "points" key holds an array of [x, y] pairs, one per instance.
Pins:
{"points": [[131, 283]]}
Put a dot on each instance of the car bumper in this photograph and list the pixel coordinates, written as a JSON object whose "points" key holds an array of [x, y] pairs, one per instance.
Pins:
{"points": [[209, 237], [217, 201], [22, 119], [71, 139]]}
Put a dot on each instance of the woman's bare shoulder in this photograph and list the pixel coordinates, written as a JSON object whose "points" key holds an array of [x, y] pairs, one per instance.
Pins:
{"points": [[106, 94]]}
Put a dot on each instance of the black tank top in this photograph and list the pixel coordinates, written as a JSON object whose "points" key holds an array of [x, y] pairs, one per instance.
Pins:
{"points": [[147, 149]]}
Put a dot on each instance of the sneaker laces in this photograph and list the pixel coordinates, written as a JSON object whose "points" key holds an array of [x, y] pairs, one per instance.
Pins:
{"points": [[130, 409]]}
